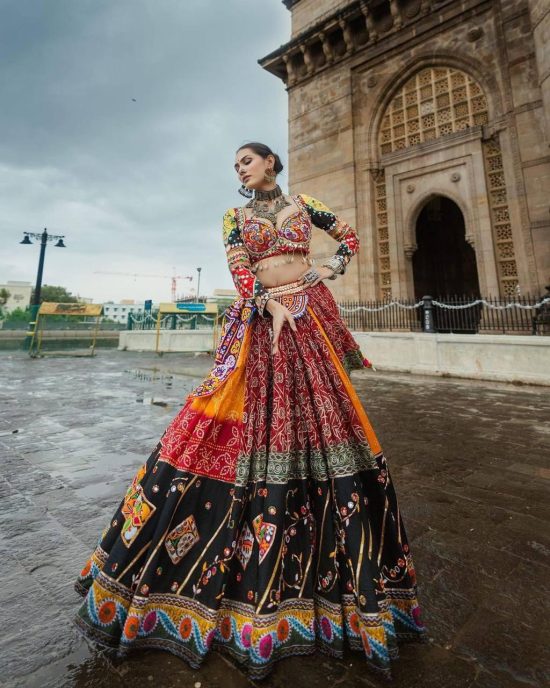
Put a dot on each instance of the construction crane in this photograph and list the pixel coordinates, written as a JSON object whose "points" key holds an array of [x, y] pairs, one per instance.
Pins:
{"points": [[173, 278]]}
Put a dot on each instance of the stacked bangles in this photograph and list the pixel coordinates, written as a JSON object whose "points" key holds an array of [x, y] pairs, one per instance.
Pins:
{"points": [[337, 264], [264, 297]]}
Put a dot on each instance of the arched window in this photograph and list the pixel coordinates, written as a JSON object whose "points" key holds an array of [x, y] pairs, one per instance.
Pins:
{"points": [[433, 103]]}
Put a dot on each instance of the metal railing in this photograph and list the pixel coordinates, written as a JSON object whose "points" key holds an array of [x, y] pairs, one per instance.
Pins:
{"points": [[366, 316], [451, 313]]}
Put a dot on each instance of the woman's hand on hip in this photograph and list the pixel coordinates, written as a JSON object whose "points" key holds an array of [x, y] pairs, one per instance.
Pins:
{"points": [[280, 314], [322, 271]]}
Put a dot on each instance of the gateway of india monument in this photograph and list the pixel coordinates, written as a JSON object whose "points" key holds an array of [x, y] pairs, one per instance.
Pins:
{"points": [[426, 125]]}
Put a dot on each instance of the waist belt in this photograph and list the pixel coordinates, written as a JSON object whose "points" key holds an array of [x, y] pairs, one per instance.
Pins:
{"points": [[292, 295]]}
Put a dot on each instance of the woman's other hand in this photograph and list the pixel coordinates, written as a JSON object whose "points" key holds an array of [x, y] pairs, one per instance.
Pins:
{"points": [[280, 314], [324, 273]]}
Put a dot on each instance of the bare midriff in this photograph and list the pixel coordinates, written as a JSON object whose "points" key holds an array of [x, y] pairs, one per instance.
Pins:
{"points": [[275, 276]]}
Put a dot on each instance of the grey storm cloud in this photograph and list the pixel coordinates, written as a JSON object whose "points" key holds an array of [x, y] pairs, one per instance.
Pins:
{"points": [[120, 121]]}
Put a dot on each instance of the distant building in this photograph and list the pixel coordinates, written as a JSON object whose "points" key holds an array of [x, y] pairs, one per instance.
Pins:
{"points": [[20, 295], [223, 297], [119, 311], [224, 294]]}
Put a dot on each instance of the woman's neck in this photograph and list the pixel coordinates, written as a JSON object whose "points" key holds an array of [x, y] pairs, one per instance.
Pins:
{"points": [[267, 194]]}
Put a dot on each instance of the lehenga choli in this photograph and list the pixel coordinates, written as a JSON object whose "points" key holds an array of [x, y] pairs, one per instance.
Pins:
{"points": [[265, 523]]}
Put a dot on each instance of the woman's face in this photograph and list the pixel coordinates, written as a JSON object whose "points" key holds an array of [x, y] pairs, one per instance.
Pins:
{"points": [[251, 167]]}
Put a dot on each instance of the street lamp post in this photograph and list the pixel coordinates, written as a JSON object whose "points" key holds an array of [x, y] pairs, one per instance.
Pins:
{"points": [[198, 283], [35, 305]]}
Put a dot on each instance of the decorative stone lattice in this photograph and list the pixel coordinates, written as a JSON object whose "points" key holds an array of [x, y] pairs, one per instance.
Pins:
{"points": [[500, 216], [433, 103], [384, 267]]}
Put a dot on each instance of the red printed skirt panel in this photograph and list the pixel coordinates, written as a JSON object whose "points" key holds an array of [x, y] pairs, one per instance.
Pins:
{"points": [[297, 401]]}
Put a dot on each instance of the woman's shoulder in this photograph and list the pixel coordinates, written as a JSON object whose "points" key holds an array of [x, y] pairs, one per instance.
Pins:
{"points": [[312, 202], [233, 210]]}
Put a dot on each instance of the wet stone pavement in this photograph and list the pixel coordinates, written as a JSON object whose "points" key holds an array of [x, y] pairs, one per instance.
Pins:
{"points": [[470, 462]]}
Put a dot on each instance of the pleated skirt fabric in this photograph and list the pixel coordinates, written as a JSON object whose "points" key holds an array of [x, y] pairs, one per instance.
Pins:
{"points": [[265, 522]]}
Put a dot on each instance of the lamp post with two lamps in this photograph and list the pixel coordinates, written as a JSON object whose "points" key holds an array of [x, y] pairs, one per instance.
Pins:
{"points": [[35, 305]]}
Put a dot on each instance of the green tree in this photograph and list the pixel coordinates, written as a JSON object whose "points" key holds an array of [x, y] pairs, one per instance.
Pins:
{"points": [[55, 295], [4, 296], [18, 315]]}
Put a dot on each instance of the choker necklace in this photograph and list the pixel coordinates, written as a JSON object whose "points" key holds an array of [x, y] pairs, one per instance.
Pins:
{"points": [[260, 204], [260, 195]]}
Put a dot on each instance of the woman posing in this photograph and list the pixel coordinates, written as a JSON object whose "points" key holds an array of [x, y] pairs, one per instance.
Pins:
{"points": [[265, 522]]}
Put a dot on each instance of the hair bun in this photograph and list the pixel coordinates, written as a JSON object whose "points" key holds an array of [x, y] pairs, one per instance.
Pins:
{"points": [[278, 164], [264, 151]]}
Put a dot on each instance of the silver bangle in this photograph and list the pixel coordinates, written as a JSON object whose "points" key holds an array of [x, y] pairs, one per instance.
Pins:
{"points": [[264, 298], [337, 265]]}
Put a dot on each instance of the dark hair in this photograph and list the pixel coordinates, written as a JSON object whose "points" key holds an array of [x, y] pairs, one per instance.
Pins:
{"points": [[264, 151]]}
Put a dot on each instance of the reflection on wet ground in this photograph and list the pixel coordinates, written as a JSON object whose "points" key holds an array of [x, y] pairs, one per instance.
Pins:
{"points": [[152, 375], [470, 465]]}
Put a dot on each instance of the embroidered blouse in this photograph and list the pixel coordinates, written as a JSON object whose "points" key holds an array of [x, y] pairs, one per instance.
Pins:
{"points": [[248, 240]]}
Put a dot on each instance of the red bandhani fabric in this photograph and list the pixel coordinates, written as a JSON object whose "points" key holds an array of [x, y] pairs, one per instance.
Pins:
{"points": [[292, 401]]}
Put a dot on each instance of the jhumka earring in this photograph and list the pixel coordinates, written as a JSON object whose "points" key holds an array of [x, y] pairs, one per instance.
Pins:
{"points": [[245, 191], [269, 175]]}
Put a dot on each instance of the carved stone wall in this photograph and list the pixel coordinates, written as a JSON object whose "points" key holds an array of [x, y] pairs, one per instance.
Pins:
{"points": [[386, 96]]}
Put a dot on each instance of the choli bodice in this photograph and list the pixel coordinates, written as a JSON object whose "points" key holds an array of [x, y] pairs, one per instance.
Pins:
{"points": [[249, 240], [262, 240]]}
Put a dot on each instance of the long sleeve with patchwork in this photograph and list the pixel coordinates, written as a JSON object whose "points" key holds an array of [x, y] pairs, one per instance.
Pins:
{"points": [[238, 258], [322, 217]]}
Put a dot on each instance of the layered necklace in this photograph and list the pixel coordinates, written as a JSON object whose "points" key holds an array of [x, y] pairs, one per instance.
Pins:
{"points": [[260, 204]]}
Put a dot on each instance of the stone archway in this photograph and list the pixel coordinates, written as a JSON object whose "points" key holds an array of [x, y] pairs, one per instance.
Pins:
{"points": [[444, 264], [426, 116]]}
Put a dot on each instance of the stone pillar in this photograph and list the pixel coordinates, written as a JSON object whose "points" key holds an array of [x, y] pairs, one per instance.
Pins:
{"points": [[291, 74], [369, 22], [307, 59], [396, 14], [348, 40], [540, 24], [327, 50]]}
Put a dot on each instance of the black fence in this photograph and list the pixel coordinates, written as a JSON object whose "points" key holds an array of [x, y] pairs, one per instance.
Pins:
{"points": [[451, 313], [374, 316]]}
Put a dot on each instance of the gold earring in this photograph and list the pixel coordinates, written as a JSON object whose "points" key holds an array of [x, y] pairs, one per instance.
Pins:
{"points": [[269, 175]]}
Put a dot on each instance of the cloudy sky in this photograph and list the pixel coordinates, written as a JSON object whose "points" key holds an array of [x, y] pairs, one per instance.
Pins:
{"points": [[135, 186]]}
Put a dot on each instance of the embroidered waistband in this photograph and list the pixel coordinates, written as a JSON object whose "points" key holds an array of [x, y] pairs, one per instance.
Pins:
{"points": [[290, 288]]}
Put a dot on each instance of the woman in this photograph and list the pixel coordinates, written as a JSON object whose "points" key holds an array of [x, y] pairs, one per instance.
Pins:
{"points": [[265, 523]]}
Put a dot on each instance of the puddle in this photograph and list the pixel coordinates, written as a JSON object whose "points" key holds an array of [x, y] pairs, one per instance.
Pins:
{"points": [[153, 375], [142, 399], [156, 377]]}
